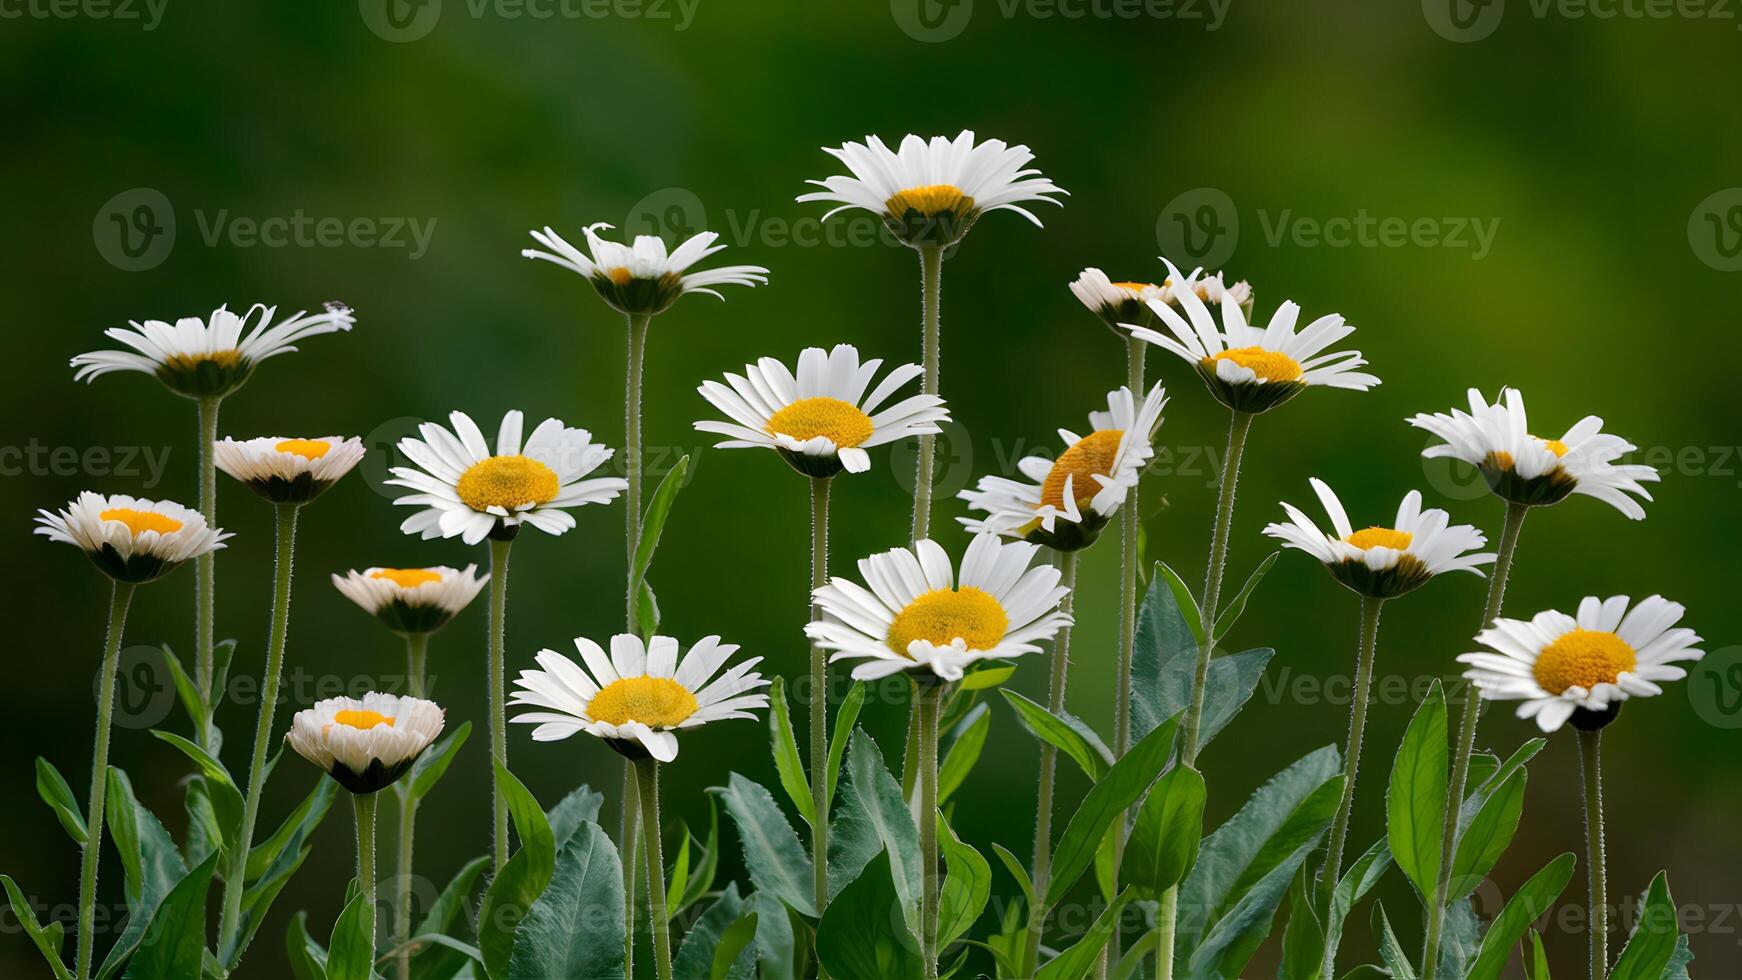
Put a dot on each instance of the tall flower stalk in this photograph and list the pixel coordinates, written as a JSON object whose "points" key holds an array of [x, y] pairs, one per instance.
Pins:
{"points": [[928, 697], [1055, 703], [1596, 862], [496, 670], [647, 783], [1239, 426], [205, 567], [819, 701]]}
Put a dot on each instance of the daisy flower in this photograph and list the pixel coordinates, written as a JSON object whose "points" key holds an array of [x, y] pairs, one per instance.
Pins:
{"points": [[1083, 487], [1253, 369], [1384, 562], [643, 279], [1119, 303], [930, 192], [1582, 667], [468, 492], [208, 358], [288, 471], [365, 744], [1526, 469], [412, 600], [130, 539], [820, 419], [639, 695], [915, 613]]}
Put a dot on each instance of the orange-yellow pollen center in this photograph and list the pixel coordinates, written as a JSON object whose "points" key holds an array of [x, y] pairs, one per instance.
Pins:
{"points": [[840, 422], [407, 578], [1583, 658], [1134, 287], [943, 616], [620, 275], [306, 448], [657, 702], [930, 201], [1091, 455], [140, 521], [1380, 537], [361, 718], [508, 482], [1267, 364], [1555, 446], [188, 362]]}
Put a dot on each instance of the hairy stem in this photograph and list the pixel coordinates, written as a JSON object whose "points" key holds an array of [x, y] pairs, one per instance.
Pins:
{"points": [[638, 324], [364, 805], [819, 699], [647, 772], [1364, 658], [931, 267], [205, 585], [498, 698], [1130, 524], [1596, 865], [928, 698], [629, 840], [416, 649], [1055, 703], [120, 596], [1238, 426]]}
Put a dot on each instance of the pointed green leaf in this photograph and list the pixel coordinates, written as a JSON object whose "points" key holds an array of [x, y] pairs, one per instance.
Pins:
{"points": [[1536, 964], [1124, 784], [349, 955], [575, 929], [1303, 939], [174, 945], [307, 960], [1653, 943], [150, 865], [786, 758], [1164, 841], [1075, 961], [1181, 597], [1532, 899], [703, 869], [1487, 836], [864, 934], [523, 878], [192, 699], [1390, 950], [48, 939], [846, 716], [1066, 733], [695, 957], [734, 955], [1415, 802], [964, 750], [434, 762], [580, 806], [990, 675], [221, 791], [301, 822], [1357, 881], [1231, 614], [772, 855], [53, 789], [966, 888], [874, 817], [653, 520]]}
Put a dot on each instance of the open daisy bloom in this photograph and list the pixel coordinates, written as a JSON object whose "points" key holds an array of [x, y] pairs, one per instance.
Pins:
{"points": [[1582, 667], [639, 695], [1068, 500], [1120, 303], [208, 358], [820, 420], [288, 471], [915, 614], [1384, 562], [643, 279], [365, 744], [930, 192], [468, 492], [412, 600], [1247, 368], [130, 539], [1526, 469]]}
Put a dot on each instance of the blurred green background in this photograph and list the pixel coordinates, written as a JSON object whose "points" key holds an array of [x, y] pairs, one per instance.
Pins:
{"points": [[1590, 148]]}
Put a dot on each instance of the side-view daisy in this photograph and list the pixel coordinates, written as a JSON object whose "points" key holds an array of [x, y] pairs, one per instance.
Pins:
{"points": [[914, 613], [366, 744], [1582, 667], [930, 192], [288, 471], [412, 600], [820, 419], [208, 358], [1119, 303], [643, 279], [1384, 562], [1247, 368], [640, 694], [469, 492], [1526, 469], [1084, 487], [131, 539]]}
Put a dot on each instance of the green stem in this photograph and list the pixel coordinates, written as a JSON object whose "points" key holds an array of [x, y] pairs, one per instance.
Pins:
{"points": [[1238, 427], [205, 585], [819, 697], [629, 838], [928, 697], [1364, 658], [1131, 518], [931, 267], [120, 596], [498, 698], [364, 805], [1165, 923], [1596, 867], [1055, 703], [1466, 744], [638, 324], [416, 649], [647, 773], [230, 922]]}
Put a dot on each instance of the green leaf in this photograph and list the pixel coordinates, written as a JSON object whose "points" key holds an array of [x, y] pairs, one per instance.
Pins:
{"points": [[786, 758], [301, 822], [874, 817], [288, 849], [1390, 950], [776, 943], [349, 955], [204, 835], [1014, 868], [150, 865], [1066, 733], [192, 699], [1415, 802], [1303, 939], [174, 944], [678, 878], [733, 955], [1536, 965], [1181, 596], [221, 791], [446, 909], [846, 716], [575, 929], [1231, 614], [521, 881], [1106, 801], [966, 888], [772, 855], [433, 763], [48, 939], [646, 610], [449, 916], [1075, 961], [1164, 840], [1653, 942], [1678, 961], [1357, 881], [307, 960], [1532, 899], [1164, 669], [1460, 939], [1130, 965], [964, 750], [864, 934], [702, 870], [1487, 836], [653, 520], [1236, 935], [53, 789], [990, 675], [580, 806], [695, 957]]}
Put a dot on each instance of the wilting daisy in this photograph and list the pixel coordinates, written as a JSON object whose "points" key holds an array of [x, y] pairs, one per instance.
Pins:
{"points": [[1083, 487], [412, 600], [130, 539], [930, 192], [1121, 303], [643, 278], [288, 471], [471, 493], [1526, 469], [820, 418], [1384, 562]]}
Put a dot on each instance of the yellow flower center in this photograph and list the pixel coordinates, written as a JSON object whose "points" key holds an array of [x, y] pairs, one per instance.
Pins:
{"points": [[361, 718], [407, 578], [140, 521], [1093, 454], [620, 275], [188, 362], [930, 200], [942, 616], [1134, 287], [306, 448], [838, 421], [1267, 364], [1380, 537], [1500, 459], [1555, 446], [507, 482], [1583, 658], [657, 702]]}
